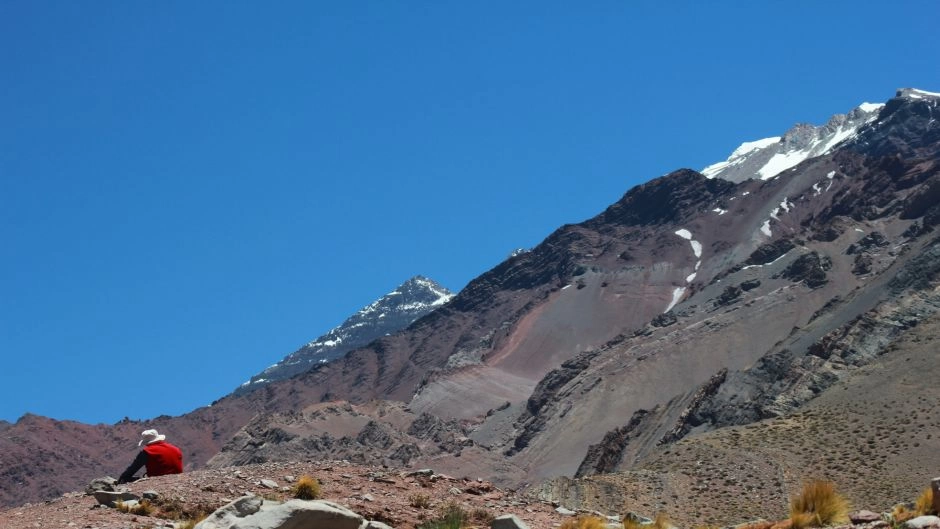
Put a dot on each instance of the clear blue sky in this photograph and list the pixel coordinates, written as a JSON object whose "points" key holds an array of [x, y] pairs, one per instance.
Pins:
{"points": [[191, 190]]}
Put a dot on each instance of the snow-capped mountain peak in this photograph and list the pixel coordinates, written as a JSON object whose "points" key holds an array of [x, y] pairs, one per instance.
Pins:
{"points": [[389, 314], [767, 158]]}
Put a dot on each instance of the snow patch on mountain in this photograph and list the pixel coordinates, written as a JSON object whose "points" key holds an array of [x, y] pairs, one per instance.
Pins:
{"points": [[765, 228], [739, 155], [676, 296]]}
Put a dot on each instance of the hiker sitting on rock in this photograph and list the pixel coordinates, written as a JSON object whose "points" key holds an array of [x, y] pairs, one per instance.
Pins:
{"points": [[159, 456]]}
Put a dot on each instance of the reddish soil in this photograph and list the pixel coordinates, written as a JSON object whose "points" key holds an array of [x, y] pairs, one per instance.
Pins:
{"points": [[376, 493]]}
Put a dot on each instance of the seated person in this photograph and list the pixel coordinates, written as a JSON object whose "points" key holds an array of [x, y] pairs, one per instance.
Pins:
{"points": [[159, 456]]}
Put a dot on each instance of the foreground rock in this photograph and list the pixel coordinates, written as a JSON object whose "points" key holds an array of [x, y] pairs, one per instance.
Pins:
{"points": [[251, 512]]}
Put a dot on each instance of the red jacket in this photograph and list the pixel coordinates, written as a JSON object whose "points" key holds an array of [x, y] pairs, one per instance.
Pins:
{"points": [[163, 458]]}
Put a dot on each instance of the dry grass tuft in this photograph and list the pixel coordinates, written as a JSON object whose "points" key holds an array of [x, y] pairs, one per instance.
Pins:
{"points": [[900, 513], [452, 516], [818, 505], [482, 515], [924, 503], [801, 520], [306, 488], [419, 501]]}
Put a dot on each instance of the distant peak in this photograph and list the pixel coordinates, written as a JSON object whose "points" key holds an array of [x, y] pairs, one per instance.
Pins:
{"points": [[767, 158], [914, 93]]}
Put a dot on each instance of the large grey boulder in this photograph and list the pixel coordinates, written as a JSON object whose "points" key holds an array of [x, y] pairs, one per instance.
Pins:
{"points": [[230, 513], [508, 521], [110, 498], [106, 483], [922, 522], [251, 512]]}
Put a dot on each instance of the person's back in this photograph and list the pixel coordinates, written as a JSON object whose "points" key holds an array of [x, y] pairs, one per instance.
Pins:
{"points": [[163, 458], [159, 456]]}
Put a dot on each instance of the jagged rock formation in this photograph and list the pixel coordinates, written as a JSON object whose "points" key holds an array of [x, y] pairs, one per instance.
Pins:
{"points": [[691, 306]]}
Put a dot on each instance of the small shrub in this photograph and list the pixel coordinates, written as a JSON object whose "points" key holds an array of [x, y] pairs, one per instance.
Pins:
{"points": [[452, 516], [924, 503], [306, 488], [823, 505], [585, 522], [482, 515], [419, 501]]}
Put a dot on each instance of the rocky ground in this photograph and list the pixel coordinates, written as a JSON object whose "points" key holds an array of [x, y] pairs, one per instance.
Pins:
{"points": [[394, 497]]}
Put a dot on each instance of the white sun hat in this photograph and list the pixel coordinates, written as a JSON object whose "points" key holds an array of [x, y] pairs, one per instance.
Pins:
{"points": [[150, 436]]}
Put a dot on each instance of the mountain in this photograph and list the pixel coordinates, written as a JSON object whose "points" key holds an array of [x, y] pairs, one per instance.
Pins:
{"points": [[635, 351], [389, 314]]}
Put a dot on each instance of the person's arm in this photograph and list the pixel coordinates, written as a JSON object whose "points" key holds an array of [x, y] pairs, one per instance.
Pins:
{"points": [[139, 461]]}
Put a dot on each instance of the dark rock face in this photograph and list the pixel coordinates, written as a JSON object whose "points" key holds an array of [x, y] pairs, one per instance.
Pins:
{"points": [[374, 435], [689, 417], [664, 320], [868, 243], [665, 200], [862, 264], [810, 268], [750, 284], [532, 421], [769, 252], [605, 456], [729, 296]]}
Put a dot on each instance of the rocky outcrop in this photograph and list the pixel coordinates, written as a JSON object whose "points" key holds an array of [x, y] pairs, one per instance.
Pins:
{"points": [[605, 456], [809, 268], [531, 420], [783, 381], [688, 419], [769, 252]]}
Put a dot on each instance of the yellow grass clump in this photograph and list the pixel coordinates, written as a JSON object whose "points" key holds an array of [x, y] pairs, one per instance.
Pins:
{"points": [[306, 488], [924, 503], [818, 505]]}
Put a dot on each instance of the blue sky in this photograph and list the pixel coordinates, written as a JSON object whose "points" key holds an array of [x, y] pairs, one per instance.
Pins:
{"points": [[190, 191]]}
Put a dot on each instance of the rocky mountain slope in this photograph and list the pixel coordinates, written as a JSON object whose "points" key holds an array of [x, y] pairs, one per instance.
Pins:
{"points": [[389, 314], [692, 306]]}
